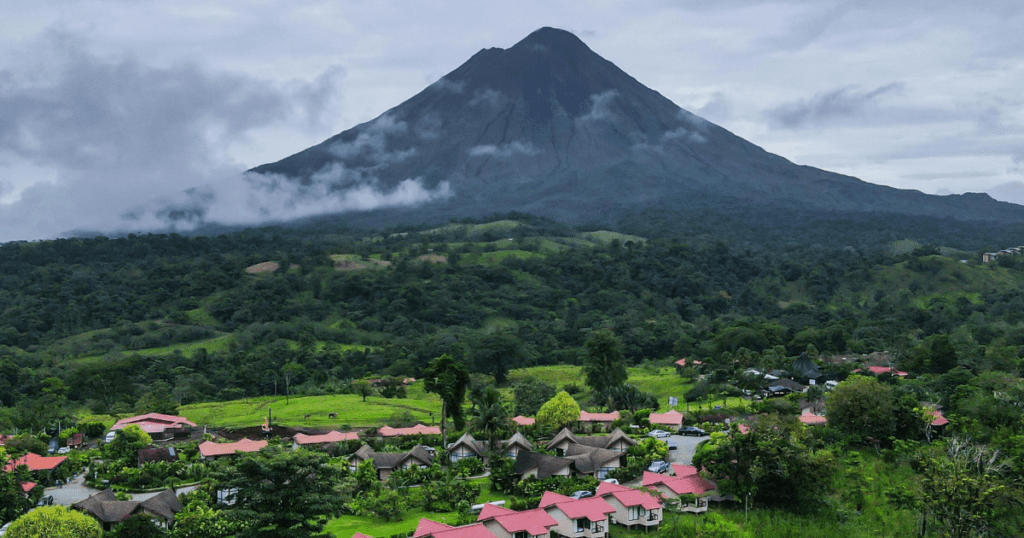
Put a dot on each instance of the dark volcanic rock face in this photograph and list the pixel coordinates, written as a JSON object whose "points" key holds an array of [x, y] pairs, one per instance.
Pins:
{"points": [[549, 127]]}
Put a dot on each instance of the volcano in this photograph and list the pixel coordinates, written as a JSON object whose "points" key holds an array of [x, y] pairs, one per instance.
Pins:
{"points": [[549, 127]]}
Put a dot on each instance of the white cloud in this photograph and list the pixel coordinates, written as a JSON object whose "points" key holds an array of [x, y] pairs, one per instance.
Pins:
{"points": [[600, 107], [504, 151]]}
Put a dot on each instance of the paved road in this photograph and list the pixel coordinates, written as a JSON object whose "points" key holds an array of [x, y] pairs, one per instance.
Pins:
{"points": [[78, 491]]}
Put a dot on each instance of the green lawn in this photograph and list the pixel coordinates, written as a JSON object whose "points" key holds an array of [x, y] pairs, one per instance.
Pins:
{"points": [[351, 410], [346, 526]]}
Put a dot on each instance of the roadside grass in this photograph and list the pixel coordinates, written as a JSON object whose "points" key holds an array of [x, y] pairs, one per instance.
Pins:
{"points": [[351, 410], [347, 526]]}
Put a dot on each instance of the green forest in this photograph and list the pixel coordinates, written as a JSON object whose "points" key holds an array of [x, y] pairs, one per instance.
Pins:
{"points": [[143, 323]]}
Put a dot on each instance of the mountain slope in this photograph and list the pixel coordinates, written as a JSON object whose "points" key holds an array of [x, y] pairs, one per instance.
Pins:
{"points": [[549, 127]]}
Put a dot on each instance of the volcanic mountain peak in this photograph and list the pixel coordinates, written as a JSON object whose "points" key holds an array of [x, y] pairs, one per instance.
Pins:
{"points": [[548, 126]]}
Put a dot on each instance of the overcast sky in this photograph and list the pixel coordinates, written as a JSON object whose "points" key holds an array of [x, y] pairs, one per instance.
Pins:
{"points": [[108, 107]]}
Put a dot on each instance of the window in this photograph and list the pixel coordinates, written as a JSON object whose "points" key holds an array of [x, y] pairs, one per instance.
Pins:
{"points": [[522, 534], [581, 525], [603, 472], [633, 514]]}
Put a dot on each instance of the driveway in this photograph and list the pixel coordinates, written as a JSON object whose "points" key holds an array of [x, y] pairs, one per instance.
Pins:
{"points": [[687, 448]]}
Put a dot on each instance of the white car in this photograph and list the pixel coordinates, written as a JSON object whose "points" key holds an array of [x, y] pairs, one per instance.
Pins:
{"points": [[63, 450], [657, 434]]}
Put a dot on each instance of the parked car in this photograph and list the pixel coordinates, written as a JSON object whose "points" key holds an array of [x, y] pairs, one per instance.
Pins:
{"points": [[110, 437], [672, 446], [658, 466], [582, 494], [658, 433], [692, 430], [611, 481], [63, 450]]}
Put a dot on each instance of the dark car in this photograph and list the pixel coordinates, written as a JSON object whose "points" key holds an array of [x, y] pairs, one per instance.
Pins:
{"points": [[692, 430]]}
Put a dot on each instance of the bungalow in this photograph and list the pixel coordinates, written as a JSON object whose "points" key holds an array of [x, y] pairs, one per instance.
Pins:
{"points": [[505, 523], [805, 369], [577, 517], [154, 454], [388, 462], [808, 417], [157, 425], [43, 468], [593, 461], [938, 423], [75, 440], [683, 363], [604, 420], [302, 439], [633, 507], [616, 440], [879, 370], [419, 429], [211, 450], [105, 507], [432, 529], [672, 419], [670, 487], [469, 447], [522, 421], [541, 465]]}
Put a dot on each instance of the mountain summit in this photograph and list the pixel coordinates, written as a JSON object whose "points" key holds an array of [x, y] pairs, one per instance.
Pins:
{"points": [[552, 128]]}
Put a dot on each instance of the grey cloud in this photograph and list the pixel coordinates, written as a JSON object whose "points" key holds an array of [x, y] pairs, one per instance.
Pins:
{"points": [[113, 133], [443, 84], [504, 150], [826, 107], [372, 143], [488, 97]]}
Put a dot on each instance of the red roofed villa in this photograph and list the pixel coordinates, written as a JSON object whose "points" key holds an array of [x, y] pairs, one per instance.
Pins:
{"points": [[157, 425], [671, 487], [505, 523], [302, 439], [672, 418], [419, 429], [209, 449], [582, 517], [632, 506], [524, 421], [879, 370], [604, 419], [433, 529], [35, 462]]}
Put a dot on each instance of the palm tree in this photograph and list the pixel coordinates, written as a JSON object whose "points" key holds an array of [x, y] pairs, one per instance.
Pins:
{"points": [[490, 419]]}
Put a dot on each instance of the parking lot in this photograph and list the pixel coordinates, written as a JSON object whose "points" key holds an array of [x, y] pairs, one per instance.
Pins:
{"points": [[687, 448]]}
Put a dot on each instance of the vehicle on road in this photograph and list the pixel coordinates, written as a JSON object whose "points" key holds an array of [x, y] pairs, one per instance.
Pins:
{"points": [[657, 434], [692, 430], [63, 450], [658, 466]]}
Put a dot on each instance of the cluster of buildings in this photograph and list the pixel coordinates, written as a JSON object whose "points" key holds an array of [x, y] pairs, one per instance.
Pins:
{"points": [[991, 256]]}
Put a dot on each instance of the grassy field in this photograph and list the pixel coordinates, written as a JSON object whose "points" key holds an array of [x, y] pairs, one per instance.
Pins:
{"points": [[347, 526], [217, 343], [351, 410]]}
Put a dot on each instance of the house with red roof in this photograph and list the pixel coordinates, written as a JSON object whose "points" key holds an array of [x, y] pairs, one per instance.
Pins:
{"points": [[672, 419], [520, 420], [577, 517], [302, 439], [604, 420], [419, 429], [879, 370], [808, 417], [683, 363], [157, 425], [211, 450], [432, 529], [670, 487], [505, 523], [633, 507], [36, 463]]}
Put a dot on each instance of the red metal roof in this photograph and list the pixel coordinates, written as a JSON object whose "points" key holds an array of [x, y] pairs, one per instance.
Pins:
{"points": [[628, 496], [939, 420], [812, 419], [427, 527], [524, 421], [670, 418], [331, 437], [877, 370], [682, 362], [592, 508], [27, 486], [688, 484], [209, 448], [598, 417], [35, 462], [419, 429], [536, 521], [153, 422], [681, 470]]}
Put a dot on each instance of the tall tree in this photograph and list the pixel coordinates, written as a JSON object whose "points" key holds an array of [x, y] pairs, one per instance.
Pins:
{"points": [[448, 378], [54, 522], [559, 412], [282, 493], [604, 365], [13, 502], [490, 419]]}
